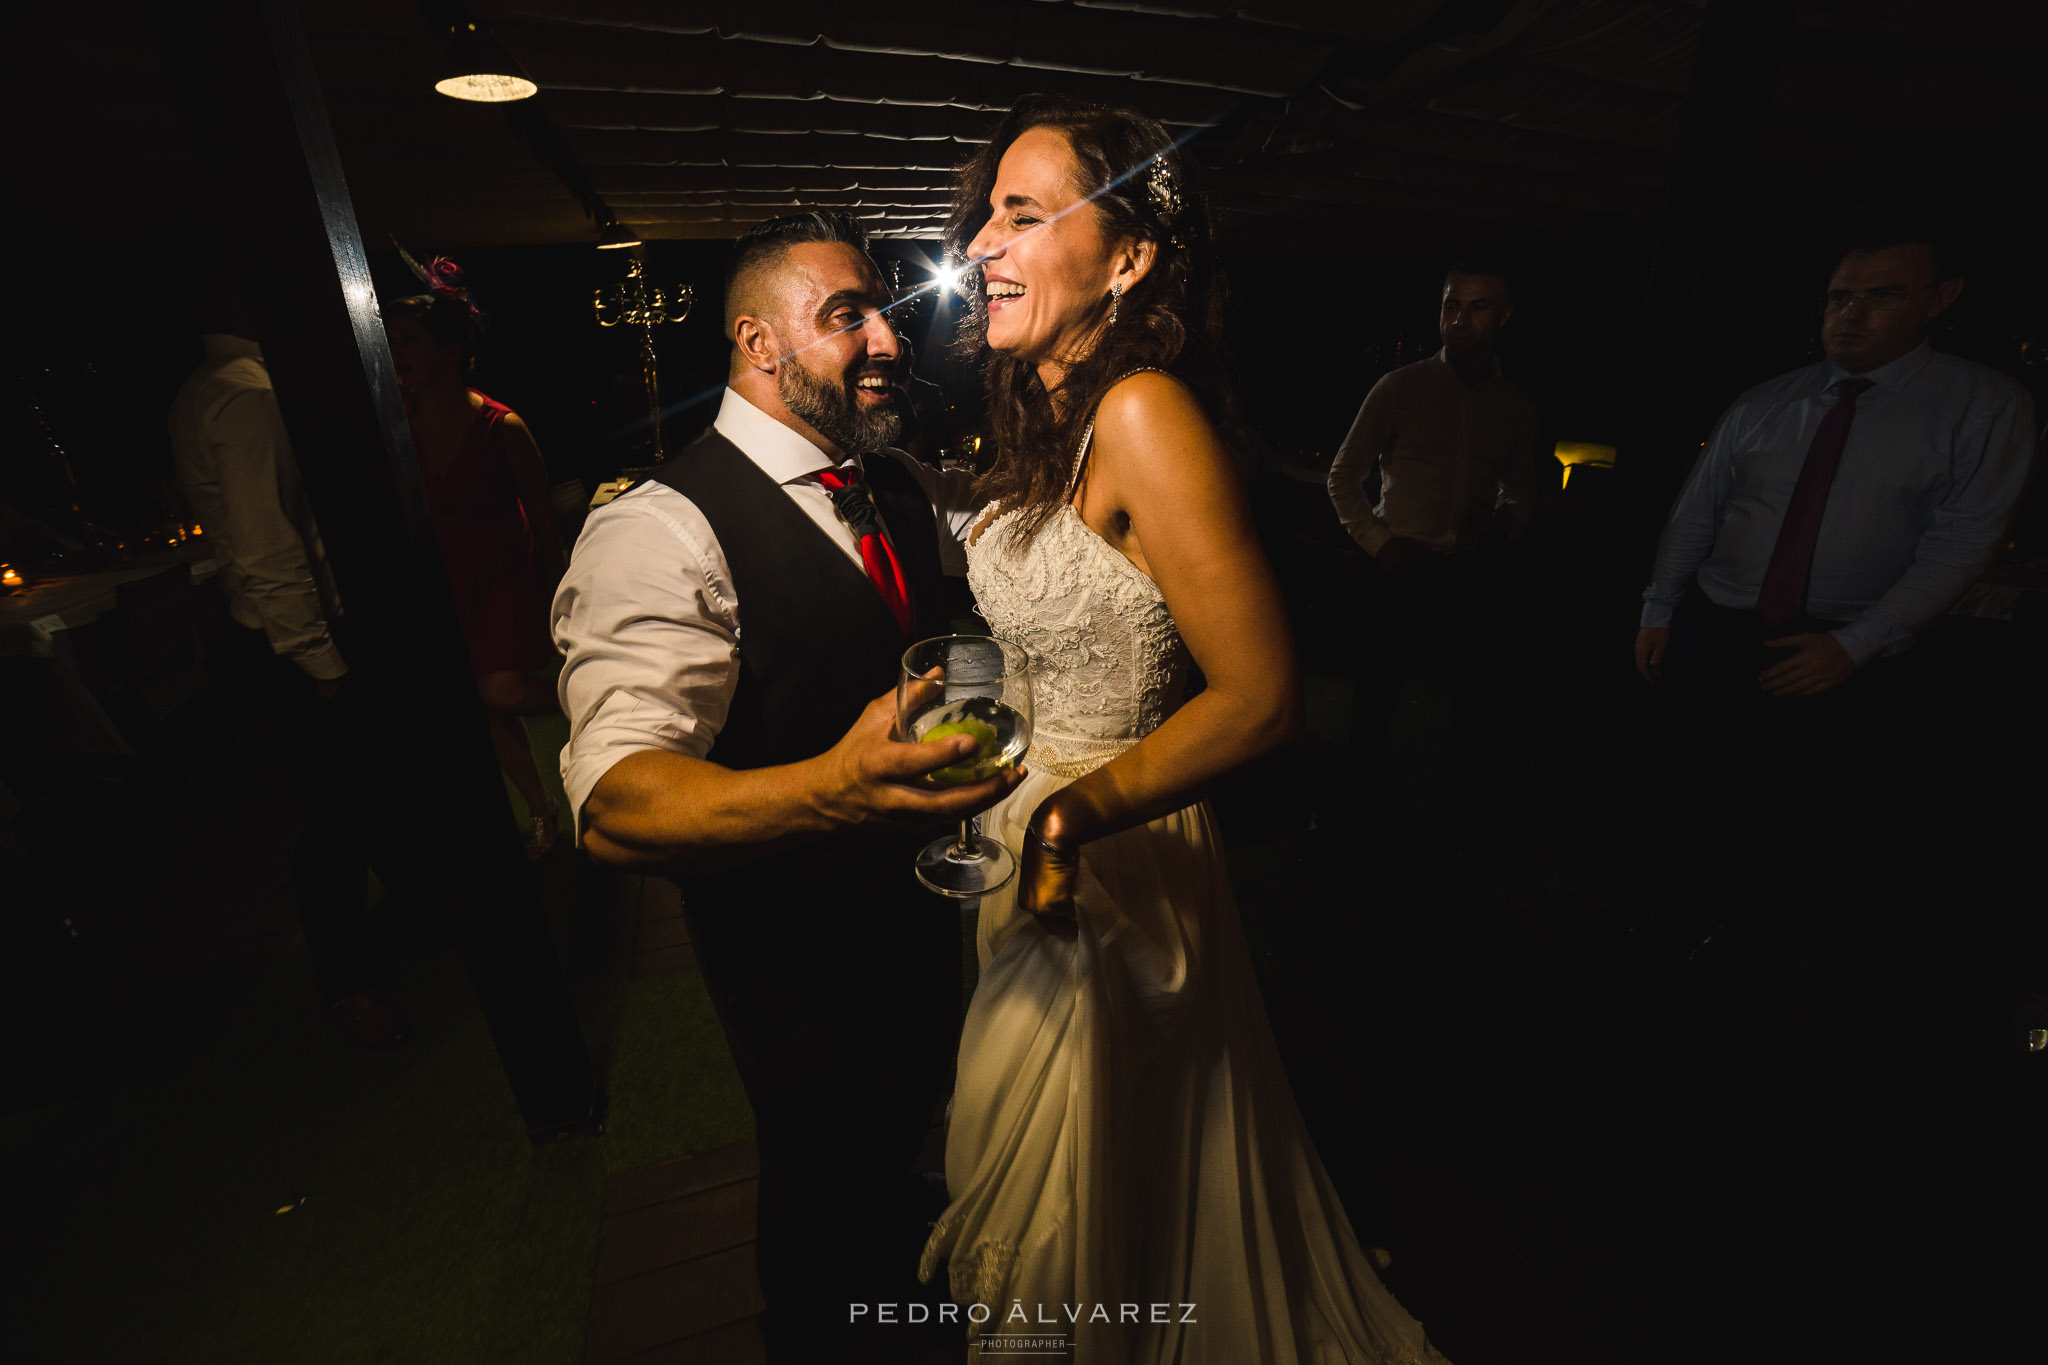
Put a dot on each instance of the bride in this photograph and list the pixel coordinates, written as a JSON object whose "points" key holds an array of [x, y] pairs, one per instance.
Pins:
{"points": [[1127, 1167]]}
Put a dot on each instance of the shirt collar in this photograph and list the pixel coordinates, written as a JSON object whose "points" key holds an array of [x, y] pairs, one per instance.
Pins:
{"points": [[228, 346], [783, 453], [1892, 375]]}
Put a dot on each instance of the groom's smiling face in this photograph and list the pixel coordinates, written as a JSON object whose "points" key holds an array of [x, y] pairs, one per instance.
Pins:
{"points": [[837, 348]]}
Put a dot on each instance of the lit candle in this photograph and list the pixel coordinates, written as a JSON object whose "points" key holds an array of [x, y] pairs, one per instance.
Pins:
{"points": [[10, 577]]}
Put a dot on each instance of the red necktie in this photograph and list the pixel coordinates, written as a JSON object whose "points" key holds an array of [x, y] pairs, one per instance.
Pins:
{"points": [[1783, 595], [850, 495]]}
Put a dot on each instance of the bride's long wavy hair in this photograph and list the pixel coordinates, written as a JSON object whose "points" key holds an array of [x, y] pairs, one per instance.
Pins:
{"points": [[1171, 320]]}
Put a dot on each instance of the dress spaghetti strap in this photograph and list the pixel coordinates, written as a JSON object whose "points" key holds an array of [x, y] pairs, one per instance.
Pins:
{"points": [[1088, 432]]}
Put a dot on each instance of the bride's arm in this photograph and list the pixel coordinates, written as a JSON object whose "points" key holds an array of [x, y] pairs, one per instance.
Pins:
{"points": [[1158, 461]]}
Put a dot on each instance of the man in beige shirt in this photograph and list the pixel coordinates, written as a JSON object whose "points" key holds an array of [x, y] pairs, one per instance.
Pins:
{"points": [[1439, 474], [1449, 442]]}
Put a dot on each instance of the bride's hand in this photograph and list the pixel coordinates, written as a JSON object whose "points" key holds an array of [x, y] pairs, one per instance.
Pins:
{"points": [[1046, 876]]}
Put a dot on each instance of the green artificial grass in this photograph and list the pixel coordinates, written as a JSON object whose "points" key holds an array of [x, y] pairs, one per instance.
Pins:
{"points": [[275, 1195], [428, 1231], [420, 1224], [674, 1089]]}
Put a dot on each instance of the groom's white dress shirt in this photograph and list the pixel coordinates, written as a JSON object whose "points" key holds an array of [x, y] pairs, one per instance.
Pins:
{"points": [[646, 617]]}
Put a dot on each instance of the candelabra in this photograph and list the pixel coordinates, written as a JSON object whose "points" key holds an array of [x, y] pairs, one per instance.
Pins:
{"points": [[636, 303]]}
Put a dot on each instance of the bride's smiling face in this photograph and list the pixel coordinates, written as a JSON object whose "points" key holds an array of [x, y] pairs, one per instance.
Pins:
{"points": [[1047, 262]]}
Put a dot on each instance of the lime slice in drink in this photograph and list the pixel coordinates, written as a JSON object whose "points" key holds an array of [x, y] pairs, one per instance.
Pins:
{"points": [[979, 764]]}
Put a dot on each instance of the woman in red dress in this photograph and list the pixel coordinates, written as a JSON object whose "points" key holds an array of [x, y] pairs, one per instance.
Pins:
{"points": [[487, 488]]}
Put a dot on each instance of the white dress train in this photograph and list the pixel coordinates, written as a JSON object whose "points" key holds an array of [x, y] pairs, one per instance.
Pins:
{"points": [[1122, 1133]]}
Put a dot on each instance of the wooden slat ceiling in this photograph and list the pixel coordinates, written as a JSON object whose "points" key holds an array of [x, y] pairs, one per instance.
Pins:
{"points": [[1395, 120], [694, 120]]}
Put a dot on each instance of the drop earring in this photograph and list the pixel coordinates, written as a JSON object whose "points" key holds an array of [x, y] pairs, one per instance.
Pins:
{"points": [[1116, 296]]}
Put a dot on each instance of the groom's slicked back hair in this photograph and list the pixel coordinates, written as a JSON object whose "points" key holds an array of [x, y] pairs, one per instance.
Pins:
{"points": [[760, 250]]}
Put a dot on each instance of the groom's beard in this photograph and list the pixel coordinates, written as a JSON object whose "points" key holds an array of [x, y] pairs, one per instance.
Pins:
{"points": [[835, 412]]}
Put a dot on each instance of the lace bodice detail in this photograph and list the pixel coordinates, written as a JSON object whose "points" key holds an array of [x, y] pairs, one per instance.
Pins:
{"points": [[1108, 662]]}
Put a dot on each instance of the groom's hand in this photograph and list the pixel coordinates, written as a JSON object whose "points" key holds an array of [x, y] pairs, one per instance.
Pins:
{"points": [[871, 779]]}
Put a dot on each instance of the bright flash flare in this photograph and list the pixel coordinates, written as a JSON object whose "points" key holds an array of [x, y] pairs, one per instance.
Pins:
{"points": [[947, 278]]}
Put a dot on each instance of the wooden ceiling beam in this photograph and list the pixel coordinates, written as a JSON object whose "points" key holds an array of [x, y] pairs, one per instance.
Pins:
{"points": [[696, 181], [656, 64], [1339, 207], [1496, 142], [604, 150], [1561, 104], [1349, 175], [1317, 21], [972, 33], [599, 111]]}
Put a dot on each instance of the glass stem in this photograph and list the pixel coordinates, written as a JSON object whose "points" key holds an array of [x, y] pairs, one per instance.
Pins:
{"points": [[966, 845]]}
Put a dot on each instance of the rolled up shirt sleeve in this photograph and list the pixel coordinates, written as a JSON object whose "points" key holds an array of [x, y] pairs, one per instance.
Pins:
{"points": [[648, 625]]}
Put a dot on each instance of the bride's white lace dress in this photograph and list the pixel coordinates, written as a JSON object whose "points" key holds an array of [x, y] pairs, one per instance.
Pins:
{"points": [[1122, 1132]]}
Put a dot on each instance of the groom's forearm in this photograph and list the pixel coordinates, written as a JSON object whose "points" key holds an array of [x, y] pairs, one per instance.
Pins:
{"points": [[658, 811]]}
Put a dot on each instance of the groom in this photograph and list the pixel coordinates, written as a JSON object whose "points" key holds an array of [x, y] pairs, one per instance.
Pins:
{"points": [[732, 630]]}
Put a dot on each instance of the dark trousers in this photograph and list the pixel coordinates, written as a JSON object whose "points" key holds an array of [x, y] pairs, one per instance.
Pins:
{"points": [[1775, 805], [333, 749], [1436, 650], [842, 1009]]}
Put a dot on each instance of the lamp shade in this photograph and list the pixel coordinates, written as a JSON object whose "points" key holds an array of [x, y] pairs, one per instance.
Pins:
{"points": [[479, 68], [1572, 454]]}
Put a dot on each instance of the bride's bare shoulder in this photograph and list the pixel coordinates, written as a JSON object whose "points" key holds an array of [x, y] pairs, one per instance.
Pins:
{"points": [[1147, 395], [1159, 418]]}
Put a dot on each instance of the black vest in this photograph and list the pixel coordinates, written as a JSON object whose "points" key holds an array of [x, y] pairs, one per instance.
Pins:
{"points": [[816, 641]]}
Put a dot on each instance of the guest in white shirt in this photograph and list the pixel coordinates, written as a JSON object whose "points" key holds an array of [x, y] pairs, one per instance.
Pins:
{"points": [[236, 465], [235, 462], [1838, 512]]}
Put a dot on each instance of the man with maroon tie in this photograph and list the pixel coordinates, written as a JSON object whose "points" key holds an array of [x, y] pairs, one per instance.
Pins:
{"points": [[1837, 512], [732, 631]]}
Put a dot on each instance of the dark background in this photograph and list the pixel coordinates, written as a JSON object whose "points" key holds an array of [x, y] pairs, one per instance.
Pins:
{"points": [[1633, 1132], [1669, 179], [1309, 335]]}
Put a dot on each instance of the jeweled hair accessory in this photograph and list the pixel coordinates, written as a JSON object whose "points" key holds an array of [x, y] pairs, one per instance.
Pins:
{"points": [[1164, 187]]}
